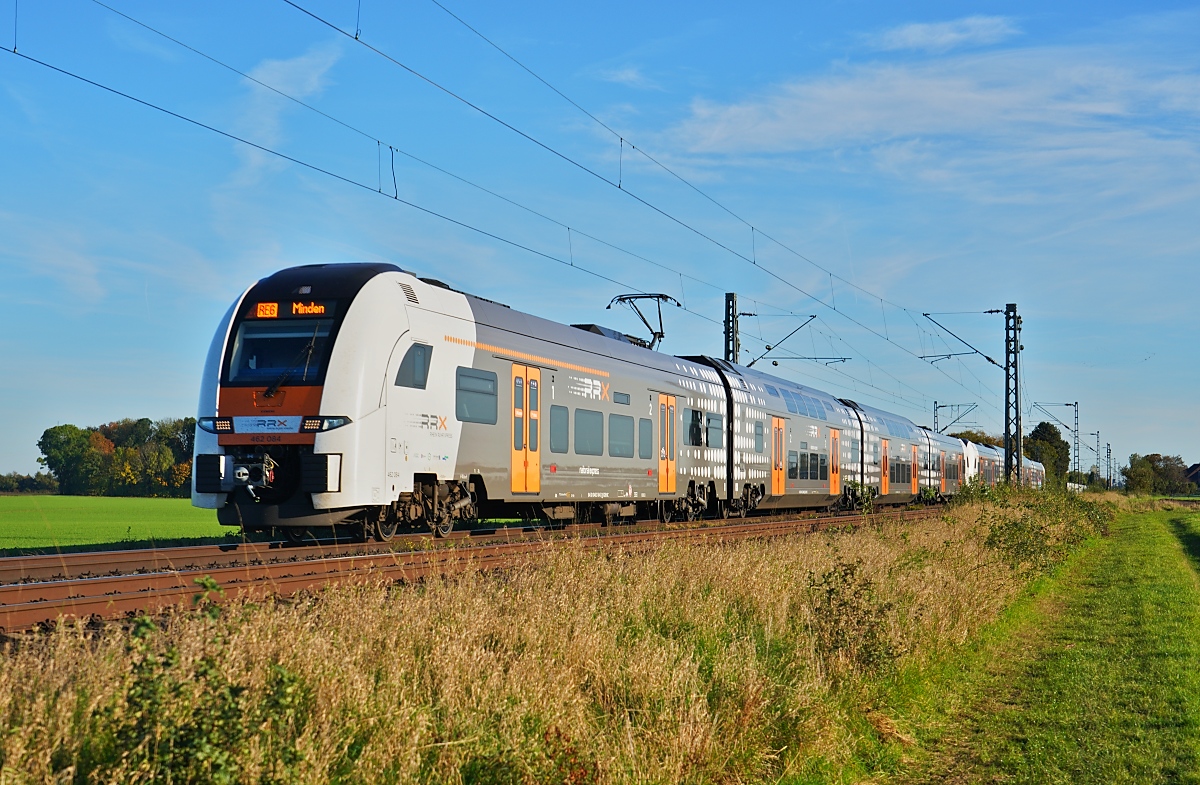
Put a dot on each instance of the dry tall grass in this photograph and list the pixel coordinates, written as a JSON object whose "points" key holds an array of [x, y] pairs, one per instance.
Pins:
{"points": [[698, 663]]}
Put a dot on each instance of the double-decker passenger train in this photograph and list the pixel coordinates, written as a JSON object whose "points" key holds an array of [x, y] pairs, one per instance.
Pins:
{"points": [[361, 394]]}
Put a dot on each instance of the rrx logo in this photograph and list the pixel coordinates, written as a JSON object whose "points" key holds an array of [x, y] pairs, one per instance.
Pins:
{"points": [[433, 422]]}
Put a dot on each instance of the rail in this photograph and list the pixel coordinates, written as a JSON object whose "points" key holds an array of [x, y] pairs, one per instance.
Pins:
{"points": [[38, 590]]}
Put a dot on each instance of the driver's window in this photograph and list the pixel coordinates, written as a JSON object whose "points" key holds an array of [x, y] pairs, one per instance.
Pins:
{"points": [[414, 368]]}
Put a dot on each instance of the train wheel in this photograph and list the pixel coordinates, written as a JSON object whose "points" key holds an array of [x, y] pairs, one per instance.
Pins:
{"points": [[443, 527], [296, 534], [385, 525]]}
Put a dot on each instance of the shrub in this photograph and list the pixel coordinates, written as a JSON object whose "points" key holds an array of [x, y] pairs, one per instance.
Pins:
{"points": [[850, 621]]}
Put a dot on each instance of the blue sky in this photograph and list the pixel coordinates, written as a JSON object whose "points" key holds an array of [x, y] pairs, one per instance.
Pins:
{"points": [[931, 157]]}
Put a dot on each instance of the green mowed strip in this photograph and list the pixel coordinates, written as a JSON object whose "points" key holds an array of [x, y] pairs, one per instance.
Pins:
{"points": [[1106, 689], [46, 523]]}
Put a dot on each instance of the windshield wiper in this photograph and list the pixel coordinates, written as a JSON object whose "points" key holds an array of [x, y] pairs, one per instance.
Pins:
{"points": [[306, 353]]}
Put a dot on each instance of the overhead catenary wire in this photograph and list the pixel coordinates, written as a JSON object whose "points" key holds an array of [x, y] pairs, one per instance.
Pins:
{"points": [[393, 150], [314, 167], [350, 181], [583, 167], [397, 150], [623, 140]]}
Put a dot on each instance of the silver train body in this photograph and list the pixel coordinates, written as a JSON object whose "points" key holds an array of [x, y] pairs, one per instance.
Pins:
{"points": [[361, 394]]}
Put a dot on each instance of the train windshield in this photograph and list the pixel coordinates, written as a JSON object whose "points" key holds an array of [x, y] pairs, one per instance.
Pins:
{"points": [[292, 351]]}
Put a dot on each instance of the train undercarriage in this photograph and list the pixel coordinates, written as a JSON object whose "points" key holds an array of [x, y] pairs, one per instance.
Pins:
{"points": [[272, 494]]}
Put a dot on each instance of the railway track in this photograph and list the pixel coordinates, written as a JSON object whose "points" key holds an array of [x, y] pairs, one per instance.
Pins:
{"points": [[38, 590]]}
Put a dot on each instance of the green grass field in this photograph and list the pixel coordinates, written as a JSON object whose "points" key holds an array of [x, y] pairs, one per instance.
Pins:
{"points": [[36, 523], [1101, 682]]}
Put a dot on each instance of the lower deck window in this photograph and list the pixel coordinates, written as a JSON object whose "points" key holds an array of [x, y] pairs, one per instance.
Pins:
{"points": [[620, 436], [589, 432], [715, 431], [793, 465], [560, 428], [645, 439], [695, 427], [475, 396]]}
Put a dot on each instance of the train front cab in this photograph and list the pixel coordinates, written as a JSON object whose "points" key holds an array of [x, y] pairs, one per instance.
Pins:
{"points": [[291, 423]]}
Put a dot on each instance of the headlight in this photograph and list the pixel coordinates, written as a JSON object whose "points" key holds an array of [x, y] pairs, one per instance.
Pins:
{"points": [[216, 424], [317, 424]]}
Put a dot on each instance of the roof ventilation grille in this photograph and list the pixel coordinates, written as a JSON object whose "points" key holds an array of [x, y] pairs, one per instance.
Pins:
{"points": [[410, 294]]}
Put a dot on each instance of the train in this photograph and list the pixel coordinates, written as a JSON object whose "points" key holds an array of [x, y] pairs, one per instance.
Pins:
{"points": [[361, 395]]}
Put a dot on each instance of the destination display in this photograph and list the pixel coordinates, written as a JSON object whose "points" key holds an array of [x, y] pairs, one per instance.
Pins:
{"points": [[297, 309]]}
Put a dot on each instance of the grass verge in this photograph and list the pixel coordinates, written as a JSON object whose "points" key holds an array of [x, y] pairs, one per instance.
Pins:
{"points": [[1098, 678]]}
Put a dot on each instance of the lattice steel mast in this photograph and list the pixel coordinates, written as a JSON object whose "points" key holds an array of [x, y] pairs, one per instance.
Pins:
{"points": [[1012, 395]]}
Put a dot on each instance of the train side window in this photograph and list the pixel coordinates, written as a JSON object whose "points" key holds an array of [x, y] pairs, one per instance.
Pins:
{"points": [[695, 431], [620, 436], [793, 465], [414, 368], [824, 467], [518, 413], [812, 467], [475, 396], [771, 391], [645, 439], [560, 428], [802, 474], [716, 434], [758, 437], [804, 404], [621, 398], [589, 432], [534, 414], [790, 402]]}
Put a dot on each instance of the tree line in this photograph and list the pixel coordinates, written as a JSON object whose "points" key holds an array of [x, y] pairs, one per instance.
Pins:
{"points": [[15, 482], [123, 458], [146, 458], [1144, 474], [1161, 474]]}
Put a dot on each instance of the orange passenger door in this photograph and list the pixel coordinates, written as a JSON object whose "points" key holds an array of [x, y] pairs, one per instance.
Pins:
{"points": [[666, 443], [916, 473], [885, 480], [526, 466], [942, 470], [835, 462], [777, 478]]}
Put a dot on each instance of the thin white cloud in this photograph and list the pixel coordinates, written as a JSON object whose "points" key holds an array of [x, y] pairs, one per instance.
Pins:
{"points": [[136, 40], [1055, 119], [944, 36], [261, 117], [630, 76], [45, 249]]}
